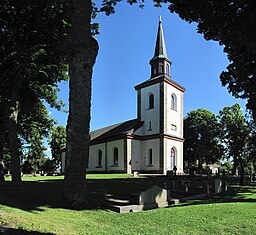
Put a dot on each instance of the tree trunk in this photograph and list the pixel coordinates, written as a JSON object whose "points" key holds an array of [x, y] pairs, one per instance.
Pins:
{"points": [[242, 179], [84, 51], [2, 143], [1, 164], [12, 134], [200, 166], [235, 166]]}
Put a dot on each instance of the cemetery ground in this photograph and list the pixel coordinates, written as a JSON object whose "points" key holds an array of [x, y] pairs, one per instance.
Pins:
{"points": [[35, 207]]}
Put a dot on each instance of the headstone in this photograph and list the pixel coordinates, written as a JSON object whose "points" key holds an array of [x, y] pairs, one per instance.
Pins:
{"points": [[184, 185], [136, 174], [154, 197], [217, 185], [224, 185]]}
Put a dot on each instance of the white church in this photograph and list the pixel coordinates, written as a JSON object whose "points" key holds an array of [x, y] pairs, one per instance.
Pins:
{"points": [[153, 142]]}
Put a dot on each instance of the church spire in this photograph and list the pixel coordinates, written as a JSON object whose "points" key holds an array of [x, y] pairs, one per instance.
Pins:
{"points": [[160, 49], [160, 64]]}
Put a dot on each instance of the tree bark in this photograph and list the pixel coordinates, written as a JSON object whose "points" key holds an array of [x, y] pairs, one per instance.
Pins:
{"points": [[242, 179], [84, 51], [12, 134], [2, 143], [235, 165]]}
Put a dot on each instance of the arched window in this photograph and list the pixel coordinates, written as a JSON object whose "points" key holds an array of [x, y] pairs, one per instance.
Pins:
{"points": [[173, 158], [168, 69], [150, 157], [151, 101], [115, 158], [99, 158], [173, 102]]}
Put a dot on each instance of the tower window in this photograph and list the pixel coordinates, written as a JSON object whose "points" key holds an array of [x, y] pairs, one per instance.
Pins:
{"points": [[173, 102], [168, 69], [161, 67], [99, 158], [150, 157], [149, 126], [151, 101], [115, 157], [173, 127]]}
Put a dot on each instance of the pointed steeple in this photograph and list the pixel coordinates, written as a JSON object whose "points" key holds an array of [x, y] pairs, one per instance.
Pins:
{"points": [[160, 64], [160, 49]]}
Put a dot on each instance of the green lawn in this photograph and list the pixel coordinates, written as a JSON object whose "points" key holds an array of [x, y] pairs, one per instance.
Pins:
{"points": [[35, 207]]}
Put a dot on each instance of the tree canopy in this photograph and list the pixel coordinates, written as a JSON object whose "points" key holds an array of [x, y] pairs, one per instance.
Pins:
{"points": [[33, 61], [236, 134], [232, 24], [202, 135]]}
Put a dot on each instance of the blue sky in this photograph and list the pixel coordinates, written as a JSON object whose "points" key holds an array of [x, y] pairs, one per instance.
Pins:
{"points": [[127, 41]]}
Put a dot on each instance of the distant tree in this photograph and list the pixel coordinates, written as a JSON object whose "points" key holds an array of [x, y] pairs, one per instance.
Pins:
{"points": [[232, 24], [202, 134], [33, 61], [57, 143], [235, 135], [49, 166]]}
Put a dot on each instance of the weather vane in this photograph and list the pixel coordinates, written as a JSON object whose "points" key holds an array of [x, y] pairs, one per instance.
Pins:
{"points": [[160, 19]]}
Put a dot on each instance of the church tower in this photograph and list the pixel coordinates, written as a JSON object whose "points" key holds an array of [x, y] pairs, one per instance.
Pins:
{"points": [[160, 109]]}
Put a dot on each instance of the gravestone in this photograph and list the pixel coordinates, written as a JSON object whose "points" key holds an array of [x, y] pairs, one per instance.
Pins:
{"points": [[154, 197], [207, 189], [136, 174], [217, 185]]}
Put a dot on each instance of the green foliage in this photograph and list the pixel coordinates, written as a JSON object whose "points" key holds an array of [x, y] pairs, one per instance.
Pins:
{"points": [[34, 52], [202, 135], [232, 24], [57, 143], [235, 133]]}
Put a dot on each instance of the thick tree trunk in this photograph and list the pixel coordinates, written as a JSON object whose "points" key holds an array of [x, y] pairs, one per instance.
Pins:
{"points": [[84, 51], [13, 136], [235, 165]]}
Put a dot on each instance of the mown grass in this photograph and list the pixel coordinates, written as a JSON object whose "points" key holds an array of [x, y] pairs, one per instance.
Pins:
{"points": [[34, 207]]}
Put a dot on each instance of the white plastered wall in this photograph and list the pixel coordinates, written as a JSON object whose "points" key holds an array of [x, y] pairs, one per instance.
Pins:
{"points": [[173, 117], [136, 151], [93, 158], [140, 155], [154, 145], [150, 115], [110, 153]]}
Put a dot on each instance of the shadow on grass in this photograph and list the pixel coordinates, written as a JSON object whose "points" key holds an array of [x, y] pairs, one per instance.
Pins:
{"points": [[11, 231], [33, 195], [234, 194]]}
